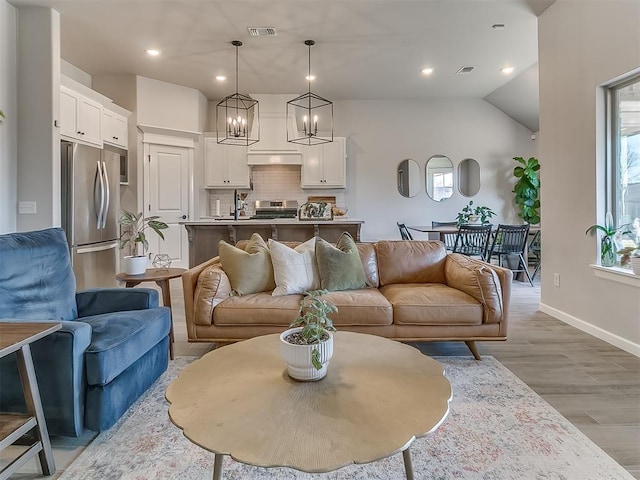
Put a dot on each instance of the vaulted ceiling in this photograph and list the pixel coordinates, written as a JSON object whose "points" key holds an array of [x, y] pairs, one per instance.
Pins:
{"points": [[372, 49]]}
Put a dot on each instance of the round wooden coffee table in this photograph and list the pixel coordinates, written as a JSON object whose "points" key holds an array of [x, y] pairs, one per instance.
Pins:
{"points": [[377, 398]]}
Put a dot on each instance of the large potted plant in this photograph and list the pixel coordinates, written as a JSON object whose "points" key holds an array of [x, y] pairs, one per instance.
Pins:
{"points": [[134, 234], [307, 346], [473, 215], [527, 189]]}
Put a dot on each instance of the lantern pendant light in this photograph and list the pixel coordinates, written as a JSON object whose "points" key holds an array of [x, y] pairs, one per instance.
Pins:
{"points": [[238, 116], [313, 115]]}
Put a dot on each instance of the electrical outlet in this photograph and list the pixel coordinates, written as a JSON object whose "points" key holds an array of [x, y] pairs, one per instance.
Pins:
{"points": [[27, 208], [556, 279]]}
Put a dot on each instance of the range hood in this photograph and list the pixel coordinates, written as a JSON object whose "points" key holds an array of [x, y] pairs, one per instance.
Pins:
{"points": [[273, 148]]}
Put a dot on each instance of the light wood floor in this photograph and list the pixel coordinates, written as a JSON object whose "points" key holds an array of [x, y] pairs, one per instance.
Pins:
{"points": [[594, 385]]}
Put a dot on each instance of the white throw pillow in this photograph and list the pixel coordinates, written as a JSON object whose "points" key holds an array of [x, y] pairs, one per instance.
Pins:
{"points": [[294, 269]]}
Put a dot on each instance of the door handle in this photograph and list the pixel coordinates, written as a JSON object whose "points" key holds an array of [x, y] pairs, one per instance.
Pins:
{"points": [[183, 217], [98, 195], [107, 199]]}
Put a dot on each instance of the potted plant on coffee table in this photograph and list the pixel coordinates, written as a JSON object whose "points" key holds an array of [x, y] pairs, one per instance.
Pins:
{"points": [[134, 234], [307, 346]]}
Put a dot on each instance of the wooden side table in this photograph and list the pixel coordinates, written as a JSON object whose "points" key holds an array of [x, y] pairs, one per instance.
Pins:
{"points": [[161, 276], [16, 337]]}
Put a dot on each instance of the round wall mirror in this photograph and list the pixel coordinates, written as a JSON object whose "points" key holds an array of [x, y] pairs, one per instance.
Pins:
{"points": [[408, 178], [439, 178], [469, 177]]}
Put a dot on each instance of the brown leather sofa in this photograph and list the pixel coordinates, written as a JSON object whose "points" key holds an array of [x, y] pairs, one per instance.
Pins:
{"points": [[418, 293]]}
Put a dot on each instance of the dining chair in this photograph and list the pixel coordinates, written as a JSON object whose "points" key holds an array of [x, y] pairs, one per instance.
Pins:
{"points": [[536, 252], [449, 239], [473, 240], [404, 231], [511, 240]]}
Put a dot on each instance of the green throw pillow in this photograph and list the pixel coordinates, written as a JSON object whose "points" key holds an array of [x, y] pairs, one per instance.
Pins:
{"points": [[250, 270], [340, 267]]}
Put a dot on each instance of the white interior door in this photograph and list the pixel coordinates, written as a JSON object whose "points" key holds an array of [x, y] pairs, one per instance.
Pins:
{"points": [[169, 199]]}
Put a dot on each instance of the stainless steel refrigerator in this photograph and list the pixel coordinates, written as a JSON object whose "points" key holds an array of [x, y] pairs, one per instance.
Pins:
{"points": [[90, 207]]}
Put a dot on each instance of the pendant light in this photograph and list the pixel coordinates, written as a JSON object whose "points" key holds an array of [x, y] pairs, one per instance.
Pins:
{"points": [[237, 116], [313, 115]]}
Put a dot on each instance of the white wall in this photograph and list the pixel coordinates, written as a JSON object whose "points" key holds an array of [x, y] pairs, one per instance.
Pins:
{"points": [[380, 134], [162, 104], [8, 128], [38, 107], [582, 45]]}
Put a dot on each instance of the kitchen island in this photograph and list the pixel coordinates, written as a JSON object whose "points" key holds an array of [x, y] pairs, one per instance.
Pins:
{"points": [[204, 234]]}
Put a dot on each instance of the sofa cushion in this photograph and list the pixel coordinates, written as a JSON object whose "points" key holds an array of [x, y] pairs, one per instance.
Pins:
{"points": [[340, 267], [250, 270], [119, 339], [294, 269], [431, 304], [212, 288], [479, 280], [369, 259], [257, 309], [360, 307], [36, 279], [417, 261]]}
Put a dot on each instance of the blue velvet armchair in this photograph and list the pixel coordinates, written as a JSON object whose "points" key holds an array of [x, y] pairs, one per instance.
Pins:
{"points": [[112, 346]]}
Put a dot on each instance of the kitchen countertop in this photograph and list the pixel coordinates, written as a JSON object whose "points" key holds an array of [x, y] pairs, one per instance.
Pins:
{"points": [[228, 220]]}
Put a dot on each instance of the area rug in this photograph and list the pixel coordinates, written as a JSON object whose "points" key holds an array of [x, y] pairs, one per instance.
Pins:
{"points": [[497, 429]]}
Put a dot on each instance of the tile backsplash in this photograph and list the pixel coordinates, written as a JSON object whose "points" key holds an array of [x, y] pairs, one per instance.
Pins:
{"points": [[271, 182]]}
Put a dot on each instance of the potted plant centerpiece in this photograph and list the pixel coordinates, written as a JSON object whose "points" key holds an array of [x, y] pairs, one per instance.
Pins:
{"points": [[474, 215], [134, 234], [609, 233], [307, 346]]}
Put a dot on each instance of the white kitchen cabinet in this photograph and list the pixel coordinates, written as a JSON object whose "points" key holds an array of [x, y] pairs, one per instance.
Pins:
{"points": [[325, 165], [114, 129], [225, 165], [80, 117]]}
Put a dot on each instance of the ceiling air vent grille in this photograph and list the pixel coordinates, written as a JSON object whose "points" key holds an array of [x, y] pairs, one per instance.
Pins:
{"points": [[465, 70], [262, 31]]}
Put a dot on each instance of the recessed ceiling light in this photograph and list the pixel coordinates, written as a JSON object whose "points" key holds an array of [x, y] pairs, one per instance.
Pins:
{"points": [[310, 78], [507, 70], [498, 26], [221, 78], [153, 52], [427, 71]]}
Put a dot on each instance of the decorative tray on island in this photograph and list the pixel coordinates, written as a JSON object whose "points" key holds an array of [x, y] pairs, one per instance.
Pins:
{"points": [[315, 211]]}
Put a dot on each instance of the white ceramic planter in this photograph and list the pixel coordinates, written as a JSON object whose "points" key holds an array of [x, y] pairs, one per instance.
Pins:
{"points": [[635, 265], [135, 265], [298, 357]]}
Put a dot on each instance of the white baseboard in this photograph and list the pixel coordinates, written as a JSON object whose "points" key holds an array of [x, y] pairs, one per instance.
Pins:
{"points": [[597, 332]]}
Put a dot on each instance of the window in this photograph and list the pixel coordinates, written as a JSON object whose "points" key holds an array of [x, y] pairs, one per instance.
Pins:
{"points": [[624, 167]]}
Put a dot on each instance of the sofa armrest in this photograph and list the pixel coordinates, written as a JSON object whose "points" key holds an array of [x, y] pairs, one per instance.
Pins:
{"points": [[488, 284], [97, 301], [189, 283], [59, 364]]}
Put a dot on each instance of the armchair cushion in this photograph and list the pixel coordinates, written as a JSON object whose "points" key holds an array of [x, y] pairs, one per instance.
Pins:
{"points": [[36, 279], [119, 339], [106, 300]]}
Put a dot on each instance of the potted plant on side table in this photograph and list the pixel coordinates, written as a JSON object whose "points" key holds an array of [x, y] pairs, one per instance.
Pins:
{"points": [[134, 234], [307, 346]]}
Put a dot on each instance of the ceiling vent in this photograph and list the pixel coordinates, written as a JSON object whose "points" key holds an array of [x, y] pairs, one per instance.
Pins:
{"points": [[262, 31], [465, 70]]}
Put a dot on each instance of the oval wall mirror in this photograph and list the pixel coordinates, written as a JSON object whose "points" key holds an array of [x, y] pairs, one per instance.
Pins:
{"points": [[439, 178], [469, 177], [408, 178]]}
